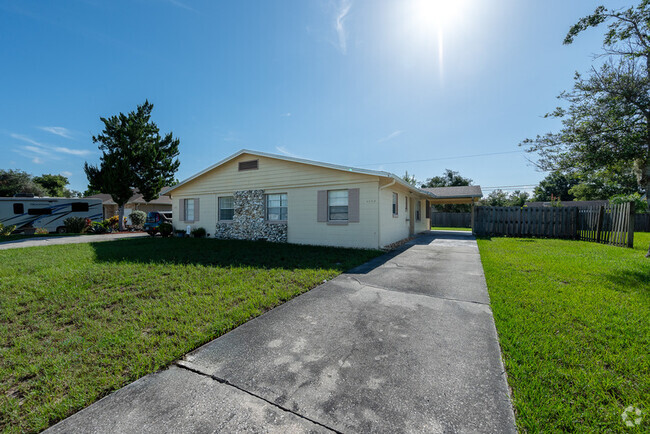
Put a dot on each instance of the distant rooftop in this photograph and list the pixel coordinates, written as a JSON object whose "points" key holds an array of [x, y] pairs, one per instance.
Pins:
{"points": [[454, 192]]}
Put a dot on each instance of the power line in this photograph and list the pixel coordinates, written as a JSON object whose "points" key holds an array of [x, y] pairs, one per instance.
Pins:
{"points": [[442, 158]]}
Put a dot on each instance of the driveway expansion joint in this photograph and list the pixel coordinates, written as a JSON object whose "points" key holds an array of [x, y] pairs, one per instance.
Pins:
{"points": [[369, 285], [189, 366]]}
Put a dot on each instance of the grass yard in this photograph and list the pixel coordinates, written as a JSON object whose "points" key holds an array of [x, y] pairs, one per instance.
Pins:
{"points": [[574, 325], [80, 321], [450, 229]]}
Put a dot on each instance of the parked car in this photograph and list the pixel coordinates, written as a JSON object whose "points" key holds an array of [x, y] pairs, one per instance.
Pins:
{"points": [[154, 220]]}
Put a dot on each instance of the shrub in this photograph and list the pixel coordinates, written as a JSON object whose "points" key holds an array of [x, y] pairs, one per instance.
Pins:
{"points": [[99, 227], [198, 232], [165, 229], [640, 205], [138, 218], [75, 225], [41, 231], [6, 230]]}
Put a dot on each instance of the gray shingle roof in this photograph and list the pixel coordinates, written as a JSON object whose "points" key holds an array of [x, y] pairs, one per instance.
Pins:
{"points": [[452, 192]]}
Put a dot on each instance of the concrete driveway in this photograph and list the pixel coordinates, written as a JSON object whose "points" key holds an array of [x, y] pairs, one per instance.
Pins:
{"points": [[404, 343], [68, 239]]}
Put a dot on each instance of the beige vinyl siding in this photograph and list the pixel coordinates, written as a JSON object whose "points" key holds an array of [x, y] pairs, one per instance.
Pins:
{"points": [[272, 175], [392, 228], [423, 224], [303, 227], [206, 216]]}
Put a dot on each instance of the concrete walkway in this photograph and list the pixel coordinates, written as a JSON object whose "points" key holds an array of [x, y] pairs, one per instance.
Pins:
{"points": [[404, 343], [67, 239]]}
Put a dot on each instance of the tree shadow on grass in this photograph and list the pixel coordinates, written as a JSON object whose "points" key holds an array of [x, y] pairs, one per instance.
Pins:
{"points": [[631, 280], [230, 253]]}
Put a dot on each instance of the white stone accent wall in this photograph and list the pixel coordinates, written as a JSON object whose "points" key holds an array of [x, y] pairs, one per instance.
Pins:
{"points": [[249, 222]]}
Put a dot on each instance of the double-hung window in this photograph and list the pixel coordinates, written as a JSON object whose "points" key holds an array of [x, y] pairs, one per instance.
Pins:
{"points": [[276, 207], [395, 204], [226, 208], [337, 205], [189, 210]]}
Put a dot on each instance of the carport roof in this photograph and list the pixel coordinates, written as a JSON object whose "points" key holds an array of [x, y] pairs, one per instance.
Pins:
{"points": [[460, 194]]}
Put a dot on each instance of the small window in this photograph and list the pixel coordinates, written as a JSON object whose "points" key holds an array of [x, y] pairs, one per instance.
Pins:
{"points": [[395, 204], [226, 208], [276, 207], [337, 205], [39, 211], [418, 210], [189, 210], [79, 206], [248, 165], [19, 208]]}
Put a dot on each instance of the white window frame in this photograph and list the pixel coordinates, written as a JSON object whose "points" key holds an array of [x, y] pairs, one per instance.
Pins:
{"points": [[283, 199], [189, 208], [330, 206], [220, 208], [395, 204]]}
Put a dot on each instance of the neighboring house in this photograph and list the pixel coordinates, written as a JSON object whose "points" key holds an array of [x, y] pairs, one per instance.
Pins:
{"points": [[255, 195], [136, 202]]}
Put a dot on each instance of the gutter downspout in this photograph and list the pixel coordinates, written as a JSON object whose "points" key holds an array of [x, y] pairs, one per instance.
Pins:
{"points": [[379, 211]]}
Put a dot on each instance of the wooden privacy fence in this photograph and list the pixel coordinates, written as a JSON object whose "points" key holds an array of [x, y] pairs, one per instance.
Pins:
{"points": [[451, 219], [642, 222], [610, 224]]}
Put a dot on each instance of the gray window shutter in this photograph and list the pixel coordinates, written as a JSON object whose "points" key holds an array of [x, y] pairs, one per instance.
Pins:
{"points": [[322, 206], [353, 205], [427, 208], [181, 210], [196, 210]]}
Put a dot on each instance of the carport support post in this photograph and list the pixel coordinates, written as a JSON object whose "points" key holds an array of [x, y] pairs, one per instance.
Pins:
{"points": [[472, 218]]}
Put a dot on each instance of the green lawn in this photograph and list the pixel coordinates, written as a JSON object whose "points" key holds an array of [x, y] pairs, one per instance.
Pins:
{"points": [[440, 228], [79, 321], [574, 325]]}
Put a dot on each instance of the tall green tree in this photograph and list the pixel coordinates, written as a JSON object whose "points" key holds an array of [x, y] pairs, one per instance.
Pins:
{"points": [[410, 178], [450, 178], [134, 155], [607, 120], [55, 185], [17, 181], [556, 185]]}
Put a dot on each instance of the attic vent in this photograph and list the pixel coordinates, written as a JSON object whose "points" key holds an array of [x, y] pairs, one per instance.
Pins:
{"points": [[248, 165]]}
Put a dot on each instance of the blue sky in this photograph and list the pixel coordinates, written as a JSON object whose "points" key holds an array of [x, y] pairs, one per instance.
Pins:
{"points": [[377, 84]]}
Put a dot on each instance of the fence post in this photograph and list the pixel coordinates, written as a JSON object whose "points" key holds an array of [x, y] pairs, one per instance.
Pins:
{"points": [[599, 223], [630, 228]]}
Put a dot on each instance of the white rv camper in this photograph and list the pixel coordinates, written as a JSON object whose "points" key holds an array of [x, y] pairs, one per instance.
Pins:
{"points": [[46, 212]]}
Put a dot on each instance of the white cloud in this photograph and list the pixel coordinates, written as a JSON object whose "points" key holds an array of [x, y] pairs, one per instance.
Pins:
{"points": [[391, 136], [182, 5], [43, 150], [286, 115], [59, 131], [341, 15], [66, 174], [37, 160], [285, 151]]}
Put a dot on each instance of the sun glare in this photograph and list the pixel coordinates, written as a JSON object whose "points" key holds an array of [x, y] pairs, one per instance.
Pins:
{"points": [[436, 14]]}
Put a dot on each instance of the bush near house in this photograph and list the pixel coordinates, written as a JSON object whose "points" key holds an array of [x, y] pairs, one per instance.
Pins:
{"points": [[198, 233], [80, 321], [138, 218], [574, 326], [6, 230], [75, 225]]}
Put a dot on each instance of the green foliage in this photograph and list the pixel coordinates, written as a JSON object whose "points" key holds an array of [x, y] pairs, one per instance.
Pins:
{"points": [[165, 229], [640, 205], [138, 218], [410, 179], [501, 198], [605, 120], [449, 179], [198, 232], [557, 185], [75, 225], [41, 231], [54, 185], [16, 181], [6, 230], [133, 155], [99, 227], [604, 183]]}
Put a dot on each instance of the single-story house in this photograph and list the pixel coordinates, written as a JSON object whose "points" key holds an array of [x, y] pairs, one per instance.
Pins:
{"points": [[256, 195], [136, 202]]}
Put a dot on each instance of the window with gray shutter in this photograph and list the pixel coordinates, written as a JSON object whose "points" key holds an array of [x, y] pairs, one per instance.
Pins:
{"points": [[353, 205]]}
